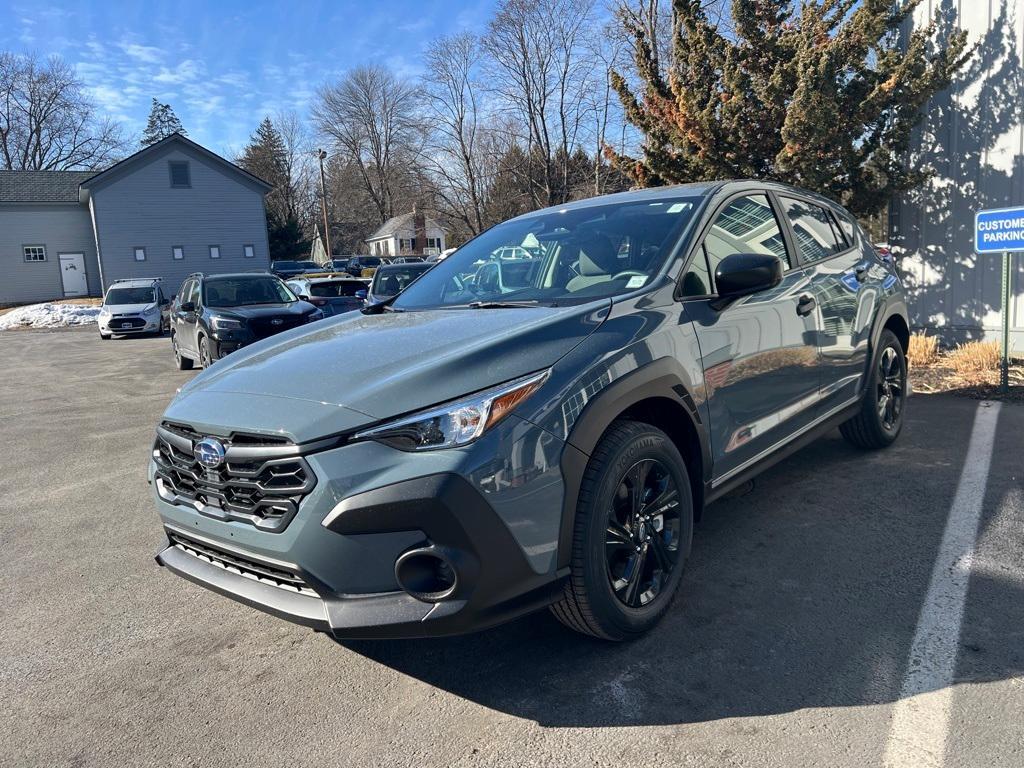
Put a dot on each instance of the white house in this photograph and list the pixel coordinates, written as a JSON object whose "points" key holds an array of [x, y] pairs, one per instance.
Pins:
{"points": [[408, 233]]}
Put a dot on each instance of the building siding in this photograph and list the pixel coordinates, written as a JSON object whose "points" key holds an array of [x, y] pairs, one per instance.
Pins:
{"points": [[62, 229], [973, 138], [140, 209]]}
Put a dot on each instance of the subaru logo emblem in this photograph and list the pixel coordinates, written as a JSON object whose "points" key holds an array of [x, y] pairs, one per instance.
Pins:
{"points": [[276, 321], [209, 452]]}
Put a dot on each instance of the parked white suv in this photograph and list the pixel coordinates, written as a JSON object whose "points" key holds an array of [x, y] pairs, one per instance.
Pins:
{"points": [[132, 306]]}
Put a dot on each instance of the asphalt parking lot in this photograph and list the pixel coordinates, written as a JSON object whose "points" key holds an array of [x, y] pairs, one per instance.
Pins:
{"points": [[797, 630]]}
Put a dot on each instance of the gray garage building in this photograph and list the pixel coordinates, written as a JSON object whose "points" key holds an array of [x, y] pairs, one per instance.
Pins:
{"points": [[170, 209]]}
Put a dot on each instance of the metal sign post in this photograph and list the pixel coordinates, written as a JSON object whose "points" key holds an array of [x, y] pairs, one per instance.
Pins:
{"points": [[1001, 230]]}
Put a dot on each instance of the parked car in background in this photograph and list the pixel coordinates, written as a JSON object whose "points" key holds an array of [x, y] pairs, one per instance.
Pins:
{"points": [[407, 260], [363, 266], [472, 451], [331, 294], [133, 306], [214, 315], [288, 268], [390, 279]]}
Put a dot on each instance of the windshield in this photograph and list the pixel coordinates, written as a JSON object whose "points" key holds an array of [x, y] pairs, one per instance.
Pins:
{"points": [[116, 296], [368, 261], [557, 257], [336, 288], [239, 291], [294, 265], [387, 281]]}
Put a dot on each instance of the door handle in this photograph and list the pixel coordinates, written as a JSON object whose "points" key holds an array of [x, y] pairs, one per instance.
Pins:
{"points": [[806, 305]]}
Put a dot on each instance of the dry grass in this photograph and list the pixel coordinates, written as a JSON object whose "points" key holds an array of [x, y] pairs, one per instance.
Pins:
{"points": [[924, 350], [975, 358]]}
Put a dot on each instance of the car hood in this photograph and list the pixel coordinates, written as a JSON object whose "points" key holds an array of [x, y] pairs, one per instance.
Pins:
{"points": [[357, 369], [265, 310]]}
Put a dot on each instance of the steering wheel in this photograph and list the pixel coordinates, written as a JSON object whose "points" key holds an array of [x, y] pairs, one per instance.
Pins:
{"points": [[629, 273]]}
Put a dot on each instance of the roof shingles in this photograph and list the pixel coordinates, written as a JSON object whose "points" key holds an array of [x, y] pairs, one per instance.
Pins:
{"points": [[41, 186]]}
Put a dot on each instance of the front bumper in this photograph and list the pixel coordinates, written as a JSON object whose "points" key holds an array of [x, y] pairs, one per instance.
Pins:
{"points": [[496, 521], [115, 326]]}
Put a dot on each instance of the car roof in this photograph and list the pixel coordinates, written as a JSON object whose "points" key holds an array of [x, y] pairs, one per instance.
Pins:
{"points": [[142, 282], [403, 266], [693, 189], [235, 274]]}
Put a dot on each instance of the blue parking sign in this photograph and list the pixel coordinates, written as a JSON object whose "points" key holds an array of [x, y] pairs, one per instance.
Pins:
{"points": [[999, 230]]}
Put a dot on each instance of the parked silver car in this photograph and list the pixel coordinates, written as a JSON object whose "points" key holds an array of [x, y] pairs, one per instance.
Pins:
{"points": [[132, 306]]}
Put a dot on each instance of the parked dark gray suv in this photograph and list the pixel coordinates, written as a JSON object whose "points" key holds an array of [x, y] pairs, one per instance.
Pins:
{"points": [[506, 435]]}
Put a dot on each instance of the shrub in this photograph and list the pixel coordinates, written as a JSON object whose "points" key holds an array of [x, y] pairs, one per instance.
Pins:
{"points": [[924, 350], [975, 357]]}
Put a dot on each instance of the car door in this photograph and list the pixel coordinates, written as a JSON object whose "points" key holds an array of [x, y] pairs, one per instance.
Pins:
{"points": [[186, 321], [759, 353], [844, 287]]}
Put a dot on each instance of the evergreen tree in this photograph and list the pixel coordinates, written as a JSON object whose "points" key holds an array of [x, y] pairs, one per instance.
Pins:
{"points": [[821, 94], [162, 123], [266, 156]]}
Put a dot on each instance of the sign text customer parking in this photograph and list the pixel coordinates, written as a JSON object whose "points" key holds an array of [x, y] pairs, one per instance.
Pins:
{"points": [[998, 230]]}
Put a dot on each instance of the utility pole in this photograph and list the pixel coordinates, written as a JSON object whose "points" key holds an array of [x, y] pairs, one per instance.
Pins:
{"points": [[323, 204]]}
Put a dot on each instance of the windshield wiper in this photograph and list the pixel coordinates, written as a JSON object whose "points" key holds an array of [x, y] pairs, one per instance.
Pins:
{"points": [[502, 304]]}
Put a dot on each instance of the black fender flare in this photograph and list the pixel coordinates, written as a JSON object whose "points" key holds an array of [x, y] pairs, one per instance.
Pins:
{"points": [[661, 378], [894, 306]]}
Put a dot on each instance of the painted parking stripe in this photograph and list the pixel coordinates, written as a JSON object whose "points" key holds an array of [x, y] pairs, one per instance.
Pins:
{"points": [[917, 736]]}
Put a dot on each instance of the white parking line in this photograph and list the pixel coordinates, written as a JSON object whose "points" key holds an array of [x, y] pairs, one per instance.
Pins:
{"points": [[920, 722]]}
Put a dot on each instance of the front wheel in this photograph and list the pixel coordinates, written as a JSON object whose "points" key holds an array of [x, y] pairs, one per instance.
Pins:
{"points": [[880, 418], [205, 358], [634, 525]]}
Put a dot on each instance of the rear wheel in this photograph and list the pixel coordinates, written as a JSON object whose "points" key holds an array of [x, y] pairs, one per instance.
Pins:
{"points": [[183, 363], [880, 418], [634, 525]]}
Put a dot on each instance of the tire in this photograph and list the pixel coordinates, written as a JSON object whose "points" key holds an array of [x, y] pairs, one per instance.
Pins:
{"points": [[880, 419], [205, 359], [609, 540], [105, 336], [183, 363]]}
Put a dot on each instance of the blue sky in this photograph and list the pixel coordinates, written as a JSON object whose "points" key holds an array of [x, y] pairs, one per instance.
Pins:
{"points": [[223, 65]]}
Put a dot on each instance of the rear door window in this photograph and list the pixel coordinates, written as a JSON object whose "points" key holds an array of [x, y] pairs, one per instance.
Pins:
{"points": [[815, 237]]}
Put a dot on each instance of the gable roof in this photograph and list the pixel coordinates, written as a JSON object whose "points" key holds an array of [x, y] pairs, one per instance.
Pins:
{"points": [[41, 186], [402, 221], [118, 169]]}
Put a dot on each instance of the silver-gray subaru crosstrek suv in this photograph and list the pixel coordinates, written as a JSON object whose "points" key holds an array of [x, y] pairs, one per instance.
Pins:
{"points": [[513, 433]]}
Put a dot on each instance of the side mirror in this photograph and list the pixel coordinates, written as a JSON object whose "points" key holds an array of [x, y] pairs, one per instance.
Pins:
{"points": [[188, 306], [303, 297], [742, 274], [361, 294]]}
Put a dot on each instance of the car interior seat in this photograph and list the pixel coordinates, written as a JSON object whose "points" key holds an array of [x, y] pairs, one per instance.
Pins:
{"points": [[597, 262]]}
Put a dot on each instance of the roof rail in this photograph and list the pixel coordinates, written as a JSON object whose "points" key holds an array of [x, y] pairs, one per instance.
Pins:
{"points": [[138, 279], [195, 274]]}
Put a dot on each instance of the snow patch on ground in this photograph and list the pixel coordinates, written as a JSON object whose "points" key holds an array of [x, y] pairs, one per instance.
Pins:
{"points": [[49, 316]]}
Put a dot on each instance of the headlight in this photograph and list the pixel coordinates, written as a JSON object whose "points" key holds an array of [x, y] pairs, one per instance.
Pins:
{"points": [[458, 423], [104, 312], [226, 324], [151, 310]]}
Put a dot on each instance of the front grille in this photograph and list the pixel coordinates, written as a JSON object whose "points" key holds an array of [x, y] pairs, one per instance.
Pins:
{"points": [[242, 566], [262, 327], [118, 321], [262, 480]]}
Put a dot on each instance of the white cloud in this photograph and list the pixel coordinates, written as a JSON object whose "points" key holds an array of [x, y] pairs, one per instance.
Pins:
{"points": [[147, 54]]}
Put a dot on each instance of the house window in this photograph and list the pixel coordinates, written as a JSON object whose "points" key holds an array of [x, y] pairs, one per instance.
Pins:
{"points": [[180, 176], [214, 251], [249, 251], [434, 242], [178, 253], [34, 252], [140, 254]]}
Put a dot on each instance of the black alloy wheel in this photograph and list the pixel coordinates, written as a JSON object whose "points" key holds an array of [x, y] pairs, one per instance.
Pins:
{"points": [[642, 543]]}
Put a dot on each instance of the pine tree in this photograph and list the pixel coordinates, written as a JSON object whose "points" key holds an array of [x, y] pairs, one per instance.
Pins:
{"points": [[821, 94], [266, 156], [162, 123]]}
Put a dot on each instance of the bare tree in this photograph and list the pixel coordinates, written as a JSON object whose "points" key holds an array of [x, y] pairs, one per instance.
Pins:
{"points": [[371, 117], [300, 195], [47, 122], [458, 146], [542, 70]]}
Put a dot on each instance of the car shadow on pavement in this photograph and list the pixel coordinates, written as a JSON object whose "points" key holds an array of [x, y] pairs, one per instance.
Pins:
{"points": [[803, 593]]}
